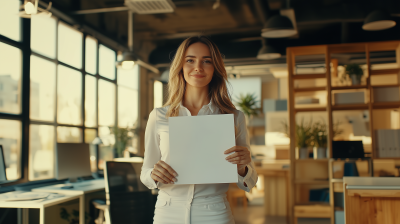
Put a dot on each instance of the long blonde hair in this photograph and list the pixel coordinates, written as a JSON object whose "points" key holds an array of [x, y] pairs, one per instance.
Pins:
{"points": [[218, 91]]}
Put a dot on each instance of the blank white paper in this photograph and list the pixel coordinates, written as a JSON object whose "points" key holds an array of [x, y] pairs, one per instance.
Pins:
{"points": [[197, 145]]}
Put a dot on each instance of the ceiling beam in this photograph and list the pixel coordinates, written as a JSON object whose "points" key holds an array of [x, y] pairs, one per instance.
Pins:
{"points": [[207, 33], [102, 10]]}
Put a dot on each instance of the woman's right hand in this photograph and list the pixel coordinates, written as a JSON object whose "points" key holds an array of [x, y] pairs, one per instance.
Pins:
{"points": [[163, 173]]}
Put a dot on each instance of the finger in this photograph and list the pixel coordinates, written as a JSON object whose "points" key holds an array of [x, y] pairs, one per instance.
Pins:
{"points": [[168, 167], [236, 154], [162, 176], [233, 149], [165, 173], [158, 179]]}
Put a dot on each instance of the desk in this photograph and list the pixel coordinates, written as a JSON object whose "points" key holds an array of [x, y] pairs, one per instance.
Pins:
{"points": [[371, 200], [276, 181], [42, 204], [80, 188]]}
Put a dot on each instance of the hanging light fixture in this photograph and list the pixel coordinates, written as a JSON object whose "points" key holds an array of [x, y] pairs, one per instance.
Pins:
{"points": [[378, 20], [31, 7], [267, 52], [278, 26], [129, 59]]}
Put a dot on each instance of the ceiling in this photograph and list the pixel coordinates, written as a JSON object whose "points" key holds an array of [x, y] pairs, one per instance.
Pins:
{"points": [[236, 24]]}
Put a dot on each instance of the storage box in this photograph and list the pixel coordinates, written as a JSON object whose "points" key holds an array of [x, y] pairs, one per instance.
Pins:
{"points": [[386, 94], [349, 98]]}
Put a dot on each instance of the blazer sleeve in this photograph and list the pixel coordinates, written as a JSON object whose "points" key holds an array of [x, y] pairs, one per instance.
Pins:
{"points": [[152, 153], [242, 139]]}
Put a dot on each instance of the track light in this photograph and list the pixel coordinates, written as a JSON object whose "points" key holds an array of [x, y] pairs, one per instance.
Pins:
{"points": [[31, 7]]}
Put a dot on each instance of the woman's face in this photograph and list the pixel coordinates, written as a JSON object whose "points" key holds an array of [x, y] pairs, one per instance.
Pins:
{"points": [[198, 67]]}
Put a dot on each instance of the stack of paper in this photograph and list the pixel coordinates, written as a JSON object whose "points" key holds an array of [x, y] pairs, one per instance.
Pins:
{"points": [[387, 143]]}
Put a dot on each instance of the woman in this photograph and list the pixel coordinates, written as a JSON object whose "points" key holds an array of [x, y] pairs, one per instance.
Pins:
{"points": [[197, 86]]}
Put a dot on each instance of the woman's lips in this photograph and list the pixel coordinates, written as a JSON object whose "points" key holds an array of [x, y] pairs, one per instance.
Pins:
{"points": [[198, 76]]}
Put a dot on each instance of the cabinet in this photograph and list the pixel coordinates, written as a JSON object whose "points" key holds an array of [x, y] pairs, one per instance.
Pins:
{"points": [[314, 75]]}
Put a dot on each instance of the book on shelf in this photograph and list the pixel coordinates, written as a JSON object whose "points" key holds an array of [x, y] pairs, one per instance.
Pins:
{"points": [[387, 143]]}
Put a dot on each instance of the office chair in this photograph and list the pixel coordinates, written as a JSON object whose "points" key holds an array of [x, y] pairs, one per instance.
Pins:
{"points": [[128, 200]]}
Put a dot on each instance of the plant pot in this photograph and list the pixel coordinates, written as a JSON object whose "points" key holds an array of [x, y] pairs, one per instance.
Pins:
{"points": [[319, 152], [301, 153], [355, 79]]}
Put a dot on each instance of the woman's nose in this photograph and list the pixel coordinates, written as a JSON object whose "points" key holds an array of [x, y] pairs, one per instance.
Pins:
{"points": [[198, 67]]}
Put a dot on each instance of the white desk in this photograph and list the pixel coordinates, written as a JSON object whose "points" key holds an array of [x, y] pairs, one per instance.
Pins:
{"points": [[81, 188], [42, 204]]}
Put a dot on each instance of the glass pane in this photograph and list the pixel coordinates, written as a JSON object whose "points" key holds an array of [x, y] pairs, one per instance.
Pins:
{"points": [[69, 103], [69, 45], [91, 55], [90, 101], [129, 78], [69, 135], [9, 12], [127, 107], [10, 79], [106, 103], [158, 94], [10, 139], [90, 135], [43, 35], [41, 153], [107, 62], [106, 151], [42, 89]]}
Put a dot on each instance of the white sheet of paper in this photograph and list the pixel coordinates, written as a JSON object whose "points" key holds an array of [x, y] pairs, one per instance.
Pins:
{"points": [[197, 145]]}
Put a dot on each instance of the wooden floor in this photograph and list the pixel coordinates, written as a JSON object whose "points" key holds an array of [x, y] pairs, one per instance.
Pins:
{"points": [[254, 214]]}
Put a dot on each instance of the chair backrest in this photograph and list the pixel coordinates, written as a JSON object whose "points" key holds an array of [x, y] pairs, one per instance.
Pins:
{"points": [[129, 200]]}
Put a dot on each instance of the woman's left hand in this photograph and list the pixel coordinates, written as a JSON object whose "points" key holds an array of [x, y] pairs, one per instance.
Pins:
{"points": [[241, 157]]}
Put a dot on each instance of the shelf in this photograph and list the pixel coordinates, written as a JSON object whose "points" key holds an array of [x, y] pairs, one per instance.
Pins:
{"points": [[385, 71], [349, 87], [311, 181], [386, 86], [385, 105], [309, 76], [310, 109], [310, 89], [311, 160], [350, 107], [337, 180], [317, 210], [386, 158]]}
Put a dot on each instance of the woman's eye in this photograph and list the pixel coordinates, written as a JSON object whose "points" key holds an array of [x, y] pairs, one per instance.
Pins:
{"points": [[207, 61], [189, 60]]}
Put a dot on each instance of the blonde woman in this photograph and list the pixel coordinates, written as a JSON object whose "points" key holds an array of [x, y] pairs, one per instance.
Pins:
{"points": [[197, 86]]}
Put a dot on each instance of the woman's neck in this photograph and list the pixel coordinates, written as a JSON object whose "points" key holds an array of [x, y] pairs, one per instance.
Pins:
{"points": [[195, 98]]}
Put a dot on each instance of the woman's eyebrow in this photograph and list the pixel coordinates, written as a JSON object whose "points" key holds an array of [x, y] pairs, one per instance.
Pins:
{"points": [[191, 56]]}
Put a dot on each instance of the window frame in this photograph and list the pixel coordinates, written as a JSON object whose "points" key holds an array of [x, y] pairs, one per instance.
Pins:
{"points": [[24, 117]]}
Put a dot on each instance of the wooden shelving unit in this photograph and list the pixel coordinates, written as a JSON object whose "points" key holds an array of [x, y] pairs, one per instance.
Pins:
{"points": [[327, 210]]}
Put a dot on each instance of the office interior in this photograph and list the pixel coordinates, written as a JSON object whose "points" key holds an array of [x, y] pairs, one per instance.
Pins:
{"points": [[78, 79]]}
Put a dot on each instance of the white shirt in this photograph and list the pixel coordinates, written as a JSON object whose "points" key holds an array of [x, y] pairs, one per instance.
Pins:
{"points": [[157, 147]]}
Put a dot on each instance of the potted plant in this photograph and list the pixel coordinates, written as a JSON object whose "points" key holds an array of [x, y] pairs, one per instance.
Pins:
{"points": [[355, 72], [303, 138], [122, 136], [320, 138], [247, 104]]}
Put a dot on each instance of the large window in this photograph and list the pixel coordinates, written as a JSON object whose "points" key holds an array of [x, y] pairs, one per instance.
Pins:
{"points": [[74, 93], [10, 79]]}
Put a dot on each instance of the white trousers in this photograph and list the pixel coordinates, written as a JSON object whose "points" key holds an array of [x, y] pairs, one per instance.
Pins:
{"points": [[200, 210]]}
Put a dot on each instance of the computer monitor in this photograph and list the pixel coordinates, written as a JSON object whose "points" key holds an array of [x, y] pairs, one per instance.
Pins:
{"points": [[72, 161], [3, 175], [347, 149]]}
